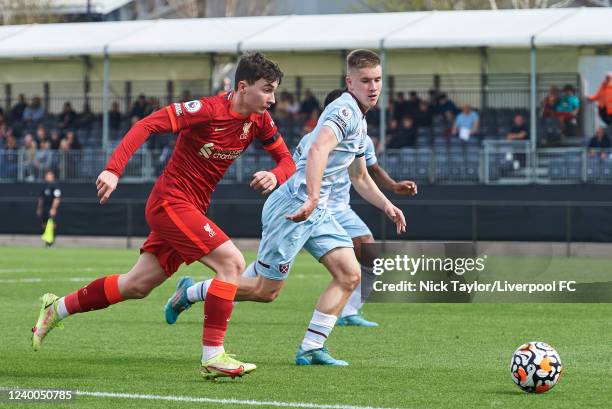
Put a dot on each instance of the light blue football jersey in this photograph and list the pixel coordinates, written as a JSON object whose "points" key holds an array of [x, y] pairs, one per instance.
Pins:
{"points": [[348, 123], [340, 196]]}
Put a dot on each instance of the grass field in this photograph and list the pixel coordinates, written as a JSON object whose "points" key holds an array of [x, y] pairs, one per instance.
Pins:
{"points": [[422, 355]]}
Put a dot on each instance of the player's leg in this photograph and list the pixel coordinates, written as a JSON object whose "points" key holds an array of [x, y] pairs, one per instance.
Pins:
{"points": [[262, 280], [228, 263], [351, 314], [330, 244], [145, 275], [344, 268], [360, 234], [251, 287]]}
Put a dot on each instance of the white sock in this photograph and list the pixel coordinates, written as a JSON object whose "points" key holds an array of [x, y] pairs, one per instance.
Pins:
{"points": [[197, 292], [62, 311], [211, 352], [353, 304], [320, 327]]}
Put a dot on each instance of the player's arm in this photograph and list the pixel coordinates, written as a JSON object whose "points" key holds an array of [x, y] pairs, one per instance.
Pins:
{"points": [[318, 154], [158, 122], [285, 166], [366, 187], [384, 181], [39, 207], [54, 206]]}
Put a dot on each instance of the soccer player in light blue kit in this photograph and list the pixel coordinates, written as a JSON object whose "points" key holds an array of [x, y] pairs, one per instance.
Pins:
{"points": [[295, 215], [339, 206]]}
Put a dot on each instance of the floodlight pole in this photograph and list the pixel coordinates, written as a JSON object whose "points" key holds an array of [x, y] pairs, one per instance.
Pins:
{"points": [[533, 126], [105, 97], [383, 98]]}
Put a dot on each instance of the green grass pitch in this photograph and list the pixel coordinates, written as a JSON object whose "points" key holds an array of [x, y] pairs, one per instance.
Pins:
{"points": [[422, 355]]}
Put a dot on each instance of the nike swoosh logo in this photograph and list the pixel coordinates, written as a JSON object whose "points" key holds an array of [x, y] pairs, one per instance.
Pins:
{"points": [[220, 129], [48, 305]]}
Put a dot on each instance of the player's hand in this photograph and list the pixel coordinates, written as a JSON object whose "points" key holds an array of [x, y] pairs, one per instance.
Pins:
{"points": [[38, 212], [52, 212], [264, 180], [304, 212], [397, 216], [405, 187], [106, 184]]}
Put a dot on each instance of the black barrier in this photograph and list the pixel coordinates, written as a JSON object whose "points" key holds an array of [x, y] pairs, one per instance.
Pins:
{"points": [[487, 213]]}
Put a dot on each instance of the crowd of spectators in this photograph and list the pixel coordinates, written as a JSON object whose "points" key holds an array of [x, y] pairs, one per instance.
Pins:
{"points": [[411, 119]]}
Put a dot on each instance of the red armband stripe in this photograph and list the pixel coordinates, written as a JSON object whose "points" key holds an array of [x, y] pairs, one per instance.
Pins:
{"points": [[172, 118]]}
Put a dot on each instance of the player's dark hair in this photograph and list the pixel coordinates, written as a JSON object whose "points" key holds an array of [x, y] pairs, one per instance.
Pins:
{"points": [[332, 96], [362, 59], [254, 66]]}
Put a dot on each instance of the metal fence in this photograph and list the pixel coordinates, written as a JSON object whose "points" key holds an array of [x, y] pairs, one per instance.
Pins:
{"points": [[444, 162]]}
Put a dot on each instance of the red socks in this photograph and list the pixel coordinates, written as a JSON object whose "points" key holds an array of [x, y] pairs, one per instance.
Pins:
{"points": [[217, 311], [97, 295]]}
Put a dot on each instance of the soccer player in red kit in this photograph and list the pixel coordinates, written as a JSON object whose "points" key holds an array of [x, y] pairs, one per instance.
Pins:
{"points": [[213, 132]]}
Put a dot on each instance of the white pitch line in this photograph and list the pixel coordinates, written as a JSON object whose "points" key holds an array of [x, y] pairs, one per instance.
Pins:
{"points": [[38, 280], [224, 401]]}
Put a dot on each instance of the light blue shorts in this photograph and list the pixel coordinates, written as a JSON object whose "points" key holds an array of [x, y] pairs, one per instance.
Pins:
{"points": [[352, 223], [282, 239]]}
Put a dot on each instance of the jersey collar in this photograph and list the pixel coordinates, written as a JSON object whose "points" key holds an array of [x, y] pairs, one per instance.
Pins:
{"points": [[361, 107]]}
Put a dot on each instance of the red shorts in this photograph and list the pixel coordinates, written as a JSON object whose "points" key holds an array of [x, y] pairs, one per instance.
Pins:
{"points": [[180, 233]]}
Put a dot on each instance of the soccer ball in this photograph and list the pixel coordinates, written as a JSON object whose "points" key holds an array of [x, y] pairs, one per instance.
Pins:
{"points": [[535, 367]]}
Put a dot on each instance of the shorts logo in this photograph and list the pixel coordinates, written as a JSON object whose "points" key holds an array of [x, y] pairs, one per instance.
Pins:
{"points": [[178, 109], [206, 150], [245, 130], [209, 230], [283, 268], [193, 106]]}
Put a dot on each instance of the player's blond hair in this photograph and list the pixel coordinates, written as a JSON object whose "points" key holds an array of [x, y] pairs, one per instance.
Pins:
{"points": [[362, 58]]}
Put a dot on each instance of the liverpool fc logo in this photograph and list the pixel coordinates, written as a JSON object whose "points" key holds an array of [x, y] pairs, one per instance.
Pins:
{"points": [[245, 130]]}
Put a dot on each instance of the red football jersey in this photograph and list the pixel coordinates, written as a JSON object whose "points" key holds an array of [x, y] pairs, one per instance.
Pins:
{"points": [[211, 137]]}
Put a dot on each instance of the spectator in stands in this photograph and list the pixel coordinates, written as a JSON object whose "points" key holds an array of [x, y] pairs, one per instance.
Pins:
{"points": [[404, 136], [152, 106], [373, 120], [114, 117], [311, 122], [139, 108], [73, 141], [412, 105], [424, 115], [466, 124], [9, 161], [519, 130], [86, 118], [16, 113], [567, 110], [599, 143], [67, 118], [548, 104], [309, 104], [34, 112], [433, 96], [400, 107], [29, 153], [280, 108], [603, 96], [446, 108], [43, 158], [55, 139], [41, 135]]}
